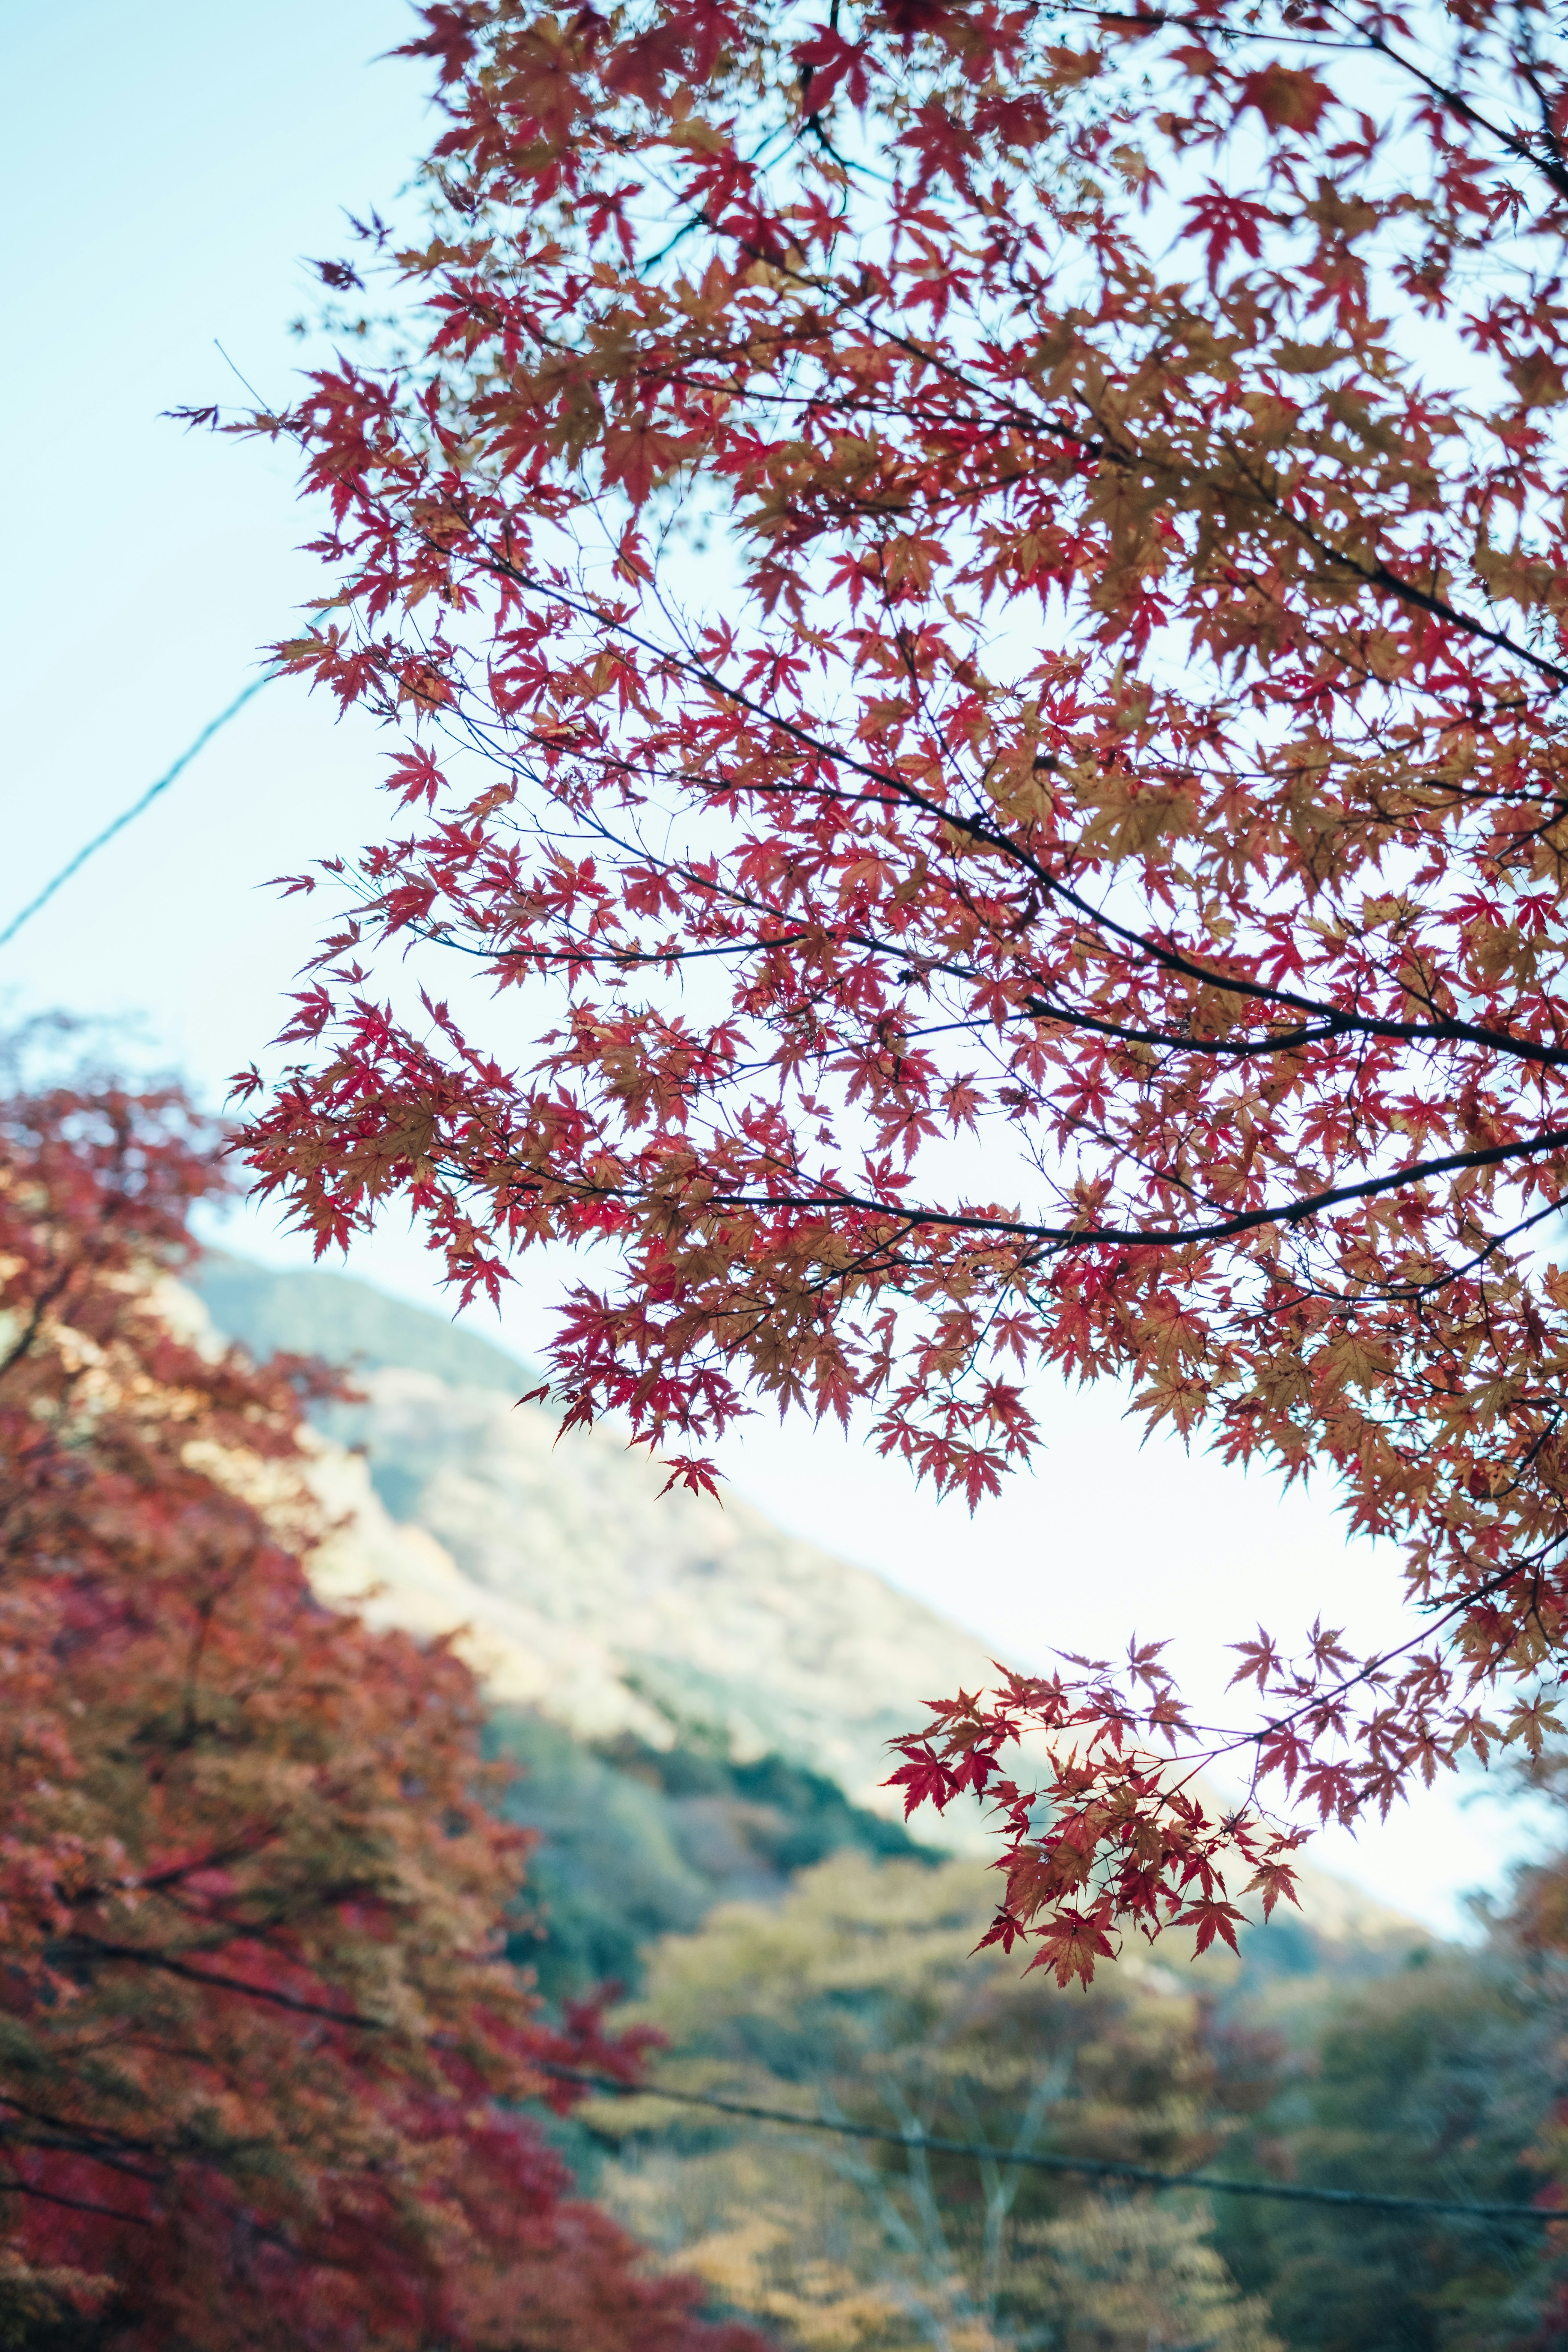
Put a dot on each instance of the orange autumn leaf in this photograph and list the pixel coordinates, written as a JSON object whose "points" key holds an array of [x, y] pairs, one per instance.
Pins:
{"points": [[1287, 100]]}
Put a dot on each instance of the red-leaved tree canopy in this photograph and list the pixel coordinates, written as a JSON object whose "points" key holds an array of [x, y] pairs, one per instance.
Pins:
{"points": [[260, 2053], [972, 601]]}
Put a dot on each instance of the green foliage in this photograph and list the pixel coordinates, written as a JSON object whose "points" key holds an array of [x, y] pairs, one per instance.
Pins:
{"points": [[1432, 2083], [638, 1843], [859, 1997]]}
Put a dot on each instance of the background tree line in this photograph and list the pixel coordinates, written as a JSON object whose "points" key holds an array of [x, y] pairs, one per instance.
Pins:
{"points": [[1419, 2069]]}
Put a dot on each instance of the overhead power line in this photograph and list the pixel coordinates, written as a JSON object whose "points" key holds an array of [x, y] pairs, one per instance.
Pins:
{"points": [[127, 815], [1086, 2167]]}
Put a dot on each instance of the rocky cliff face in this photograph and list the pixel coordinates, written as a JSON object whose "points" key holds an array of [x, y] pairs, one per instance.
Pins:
{"points": [[573, 1588], [581, 1590], [614, 1610]]}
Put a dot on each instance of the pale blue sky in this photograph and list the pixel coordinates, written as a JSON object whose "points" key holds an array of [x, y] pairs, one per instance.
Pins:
{"points": [[166, 171]]}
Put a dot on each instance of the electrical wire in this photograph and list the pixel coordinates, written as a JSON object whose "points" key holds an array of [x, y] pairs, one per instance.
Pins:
{"points": [[127, 815], [1094, 2167]]}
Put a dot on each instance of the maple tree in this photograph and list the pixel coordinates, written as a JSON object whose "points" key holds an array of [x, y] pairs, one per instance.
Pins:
{"points": [[972, 601], [260, 2053]]}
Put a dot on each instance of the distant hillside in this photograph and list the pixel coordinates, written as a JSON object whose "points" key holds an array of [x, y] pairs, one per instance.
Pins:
{"points": [[615, 1611], [322, 1313], [582, 1596], [639, 1842]]}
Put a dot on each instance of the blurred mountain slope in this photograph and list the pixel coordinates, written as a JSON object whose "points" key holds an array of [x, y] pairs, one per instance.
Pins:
{"points": [[615, 1611], [331, 1315], [671, 1624]]}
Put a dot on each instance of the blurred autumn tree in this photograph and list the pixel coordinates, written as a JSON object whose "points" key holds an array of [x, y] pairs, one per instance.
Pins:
{"points": [[971, 600], [857, 1998], [260, 2053]]}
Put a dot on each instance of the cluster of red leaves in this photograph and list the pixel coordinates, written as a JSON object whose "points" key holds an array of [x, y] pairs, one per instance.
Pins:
{"points": [[1071, 880], [259, 2057]]}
